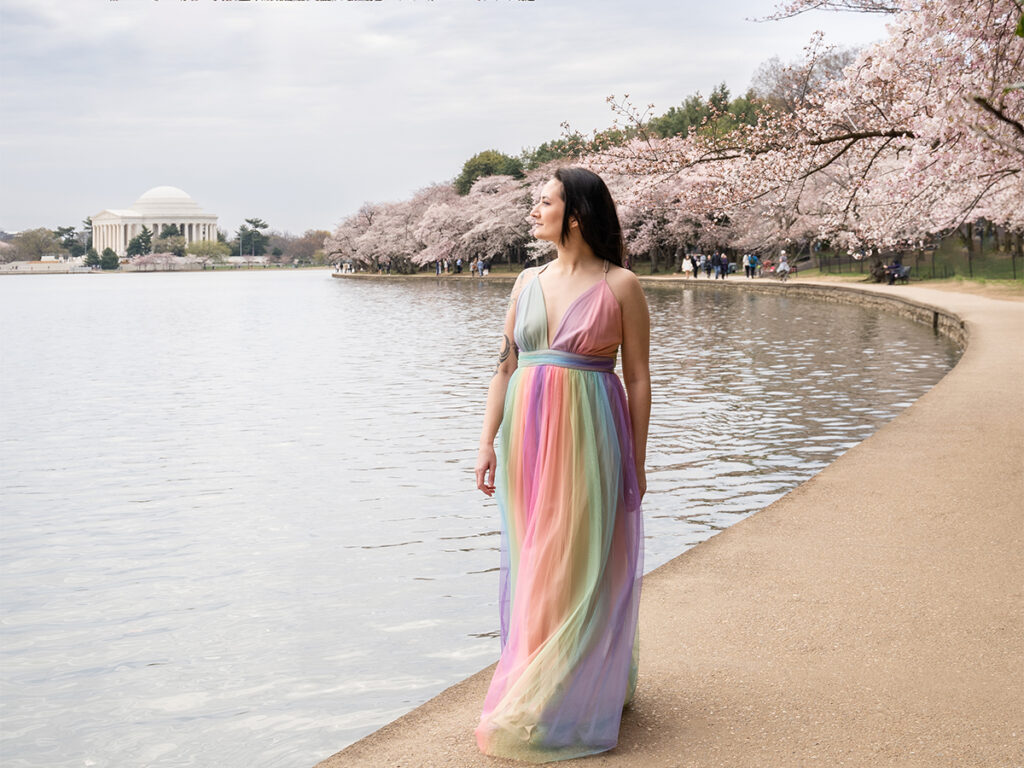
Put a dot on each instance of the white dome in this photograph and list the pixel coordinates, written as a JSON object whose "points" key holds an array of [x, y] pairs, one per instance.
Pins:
{"points": [[164, 193], [166, 201]]}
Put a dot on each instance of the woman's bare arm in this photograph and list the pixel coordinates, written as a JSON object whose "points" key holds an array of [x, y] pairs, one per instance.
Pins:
{"points": [[508, 361], [636, 368]]}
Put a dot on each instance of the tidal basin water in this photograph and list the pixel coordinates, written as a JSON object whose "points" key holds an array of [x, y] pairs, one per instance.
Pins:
{"points": [[239, 526]]}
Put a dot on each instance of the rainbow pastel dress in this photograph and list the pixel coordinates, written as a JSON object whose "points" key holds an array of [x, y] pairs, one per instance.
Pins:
{"points": [[572, 538]]}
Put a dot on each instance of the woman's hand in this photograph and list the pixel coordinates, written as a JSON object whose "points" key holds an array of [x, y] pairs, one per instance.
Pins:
{"points": [[508, 361], [486, 461]]}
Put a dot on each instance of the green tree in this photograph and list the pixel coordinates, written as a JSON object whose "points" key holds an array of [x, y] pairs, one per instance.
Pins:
{"points": [[109, 259], [170, 230], [209, 251], [142, 243], [69, 240], [548, 151], [92, 259], [171, 244], [744, 109], [87, 231], [678, 121], [573, 145], [719, 99], [251, 241], [490, 162], [33, 244], [610, 137], [715, 115]]}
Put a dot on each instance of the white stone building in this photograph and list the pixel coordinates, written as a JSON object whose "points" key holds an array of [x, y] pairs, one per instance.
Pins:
{"points": [[157, 209]]}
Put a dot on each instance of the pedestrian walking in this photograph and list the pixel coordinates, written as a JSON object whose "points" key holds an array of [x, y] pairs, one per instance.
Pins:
{"points": [[687, 266]]}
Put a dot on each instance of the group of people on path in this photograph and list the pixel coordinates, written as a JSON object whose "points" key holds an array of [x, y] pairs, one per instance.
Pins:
{"points": [[477, 266], [719, 265]]}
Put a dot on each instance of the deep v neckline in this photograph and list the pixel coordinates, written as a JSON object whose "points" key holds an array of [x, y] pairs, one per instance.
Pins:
{"points": [[561, 321]]}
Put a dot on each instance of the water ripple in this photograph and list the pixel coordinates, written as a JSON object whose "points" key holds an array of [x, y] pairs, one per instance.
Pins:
{"points": [[239, 520]]}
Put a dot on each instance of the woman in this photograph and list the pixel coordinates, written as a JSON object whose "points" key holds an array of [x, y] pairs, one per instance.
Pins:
{"points": [[569, 484], [687, 266]]}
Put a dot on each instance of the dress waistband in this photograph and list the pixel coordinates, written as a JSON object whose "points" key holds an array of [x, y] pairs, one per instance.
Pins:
{"points": [[566, 360]]}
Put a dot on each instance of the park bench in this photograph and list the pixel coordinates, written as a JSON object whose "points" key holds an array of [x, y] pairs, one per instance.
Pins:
{"points": [[899, 274]]}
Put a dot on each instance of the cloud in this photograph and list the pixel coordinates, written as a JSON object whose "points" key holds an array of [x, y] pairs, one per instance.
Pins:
{"points": [[299, 111]]}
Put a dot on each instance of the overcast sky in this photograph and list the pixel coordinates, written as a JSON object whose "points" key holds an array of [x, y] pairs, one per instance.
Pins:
{"points": [[297, 112]]}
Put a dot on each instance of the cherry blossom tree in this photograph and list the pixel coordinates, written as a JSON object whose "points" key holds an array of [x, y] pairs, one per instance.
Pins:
{"points": [[440, 229], [904, 141], [922, 133], [498, 210], [343, 244]]}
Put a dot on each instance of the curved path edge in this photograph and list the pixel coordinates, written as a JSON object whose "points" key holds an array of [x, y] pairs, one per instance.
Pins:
{"points": [[873, 616]]}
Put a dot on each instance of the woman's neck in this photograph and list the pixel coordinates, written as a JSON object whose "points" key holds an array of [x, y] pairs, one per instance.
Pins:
{"points": [[575, 256]]}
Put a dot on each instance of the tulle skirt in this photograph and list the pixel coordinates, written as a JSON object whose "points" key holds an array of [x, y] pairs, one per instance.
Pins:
{"points": [[571, 564]]}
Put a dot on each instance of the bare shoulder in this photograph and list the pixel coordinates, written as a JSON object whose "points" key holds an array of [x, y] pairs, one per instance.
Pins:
{"points": [[527, 275], [625, 285], [523, 279]]}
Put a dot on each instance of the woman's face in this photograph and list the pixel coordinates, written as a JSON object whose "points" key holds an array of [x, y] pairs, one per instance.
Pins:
{"points": [[547, 214]]}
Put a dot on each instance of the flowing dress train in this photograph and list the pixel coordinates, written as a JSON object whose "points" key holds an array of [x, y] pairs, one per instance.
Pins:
{"points": [[572, 538]]}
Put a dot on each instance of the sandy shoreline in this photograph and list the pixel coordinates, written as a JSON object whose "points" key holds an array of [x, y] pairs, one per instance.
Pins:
{"points": [[871, 617]]}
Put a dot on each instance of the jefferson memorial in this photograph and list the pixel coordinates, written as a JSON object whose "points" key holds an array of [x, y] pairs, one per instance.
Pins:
{"points": [[157, 209]]}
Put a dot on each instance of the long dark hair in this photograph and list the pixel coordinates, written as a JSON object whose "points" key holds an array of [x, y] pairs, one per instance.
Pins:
{"points": [[587, 198]]}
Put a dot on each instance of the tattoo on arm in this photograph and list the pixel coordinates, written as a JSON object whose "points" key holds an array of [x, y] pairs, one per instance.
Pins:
{"points": [[506, 350]]}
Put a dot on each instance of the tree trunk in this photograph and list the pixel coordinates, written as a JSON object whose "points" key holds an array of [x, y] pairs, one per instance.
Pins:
{"points": [[1018, 242], [966, 233]]}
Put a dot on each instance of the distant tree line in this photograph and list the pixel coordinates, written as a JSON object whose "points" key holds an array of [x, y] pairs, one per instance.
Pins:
{"points": [[483, 212], [251, 240], [913, 141]]}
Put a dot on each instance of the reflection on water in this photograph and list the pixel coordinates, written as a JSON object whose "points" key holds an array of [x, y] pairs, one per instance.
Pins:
{"points": [[239, 522]]}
